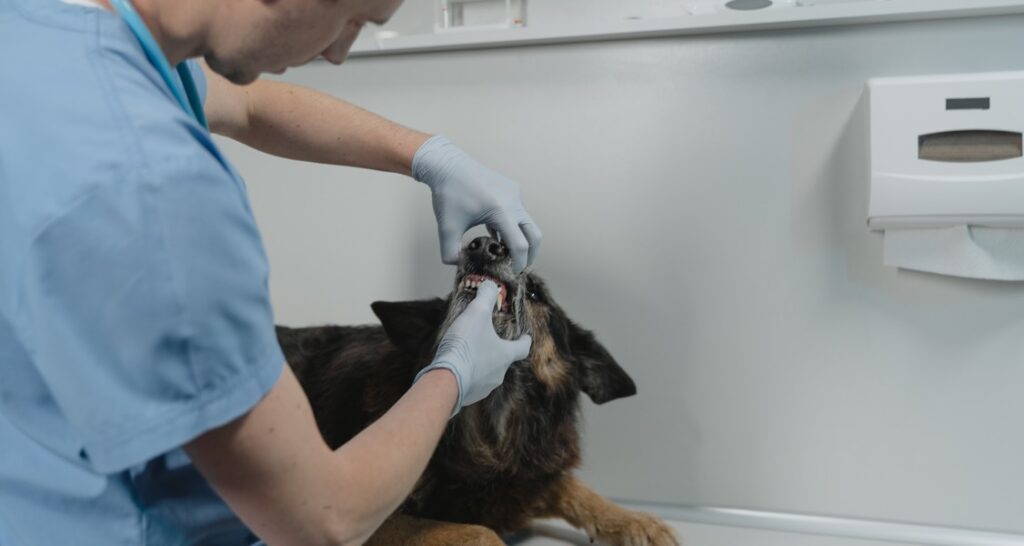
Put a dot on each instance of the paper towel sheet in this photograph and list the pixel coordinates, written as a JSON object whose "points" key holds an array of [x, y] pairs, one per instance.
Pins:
{"points": [[962, 251]]}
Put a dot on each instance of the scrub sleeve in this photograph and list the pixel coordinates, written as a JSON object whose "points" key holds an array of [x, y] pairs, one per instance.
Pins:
{"points": [[134, 306], [152, 292]]}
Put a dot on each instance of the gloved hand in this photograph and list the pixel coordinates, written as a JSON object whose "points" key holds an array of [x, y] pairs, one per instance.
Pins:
{"points": [[467, 194], [474, 352]]}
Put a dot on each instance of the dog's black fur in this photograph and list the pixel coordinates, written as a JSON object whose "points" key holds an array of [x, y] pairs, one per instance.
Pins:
{"points": [[499, 458]]}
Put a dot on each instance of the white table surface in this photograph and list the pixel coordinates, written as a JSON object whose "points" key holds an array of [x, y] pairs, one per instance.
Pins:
{"points": [[555, 533]]}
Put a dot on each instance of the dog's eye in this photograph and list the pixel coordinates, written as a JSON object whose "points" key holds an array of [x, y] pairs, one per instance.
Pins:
{"points": [[533, 295]]}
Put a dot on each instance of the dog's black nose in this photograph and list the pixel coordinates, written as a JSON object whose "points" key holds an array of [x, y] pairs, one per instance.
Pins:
{"points": [[485, 250]]}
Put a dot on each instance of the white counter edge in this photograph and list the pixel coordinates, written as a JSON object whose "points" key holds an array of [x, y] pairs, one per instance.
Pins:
{"points": [[886, 531], [725, 22]]}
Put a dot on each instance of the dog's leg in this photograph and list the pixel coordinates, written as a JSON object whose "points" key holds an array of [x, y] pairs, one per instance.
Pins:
{"points": [[405, 530], [571, 500]]}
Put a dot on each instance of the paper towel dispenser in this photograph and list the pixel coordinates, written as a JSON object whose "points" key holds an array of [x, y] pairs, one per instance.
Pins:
{"points": [[947, 151], [969, 146]]}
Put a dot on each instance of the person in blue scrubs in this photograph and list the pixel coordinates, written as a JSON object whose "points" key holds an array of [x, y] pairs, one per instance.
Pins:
{"points": [[143, 396]]}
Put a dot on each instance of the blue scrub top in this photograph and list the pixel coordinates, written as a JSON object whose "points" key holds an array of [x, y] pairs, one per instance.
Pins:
{"points": [[134, 308]]}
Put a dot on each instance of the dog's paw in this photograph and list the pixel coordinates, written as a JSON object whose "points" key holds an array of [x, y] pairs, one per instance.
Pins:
{"points": [[639, 529], [402, 530], [473, 535]]}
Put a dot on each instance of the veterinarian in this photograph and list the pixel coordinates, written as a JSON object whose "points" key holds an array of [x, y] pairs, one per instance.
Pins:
{"points": [[143, 396]]}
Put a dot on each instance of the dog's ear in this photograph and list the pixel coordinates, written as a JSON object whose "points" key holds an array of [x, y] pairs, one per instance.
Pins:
{"points": [[410, 324], [603, 379]]}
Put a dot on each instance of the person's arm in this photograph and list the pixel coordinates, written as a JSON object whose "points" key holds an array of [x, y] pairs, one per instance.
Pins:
{"points": [[299, 123], [274, 470]]}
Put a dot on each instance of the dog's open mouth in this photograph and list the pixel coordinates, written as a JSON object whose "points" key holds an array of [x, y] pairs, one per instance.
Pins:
{"points": [[486, 259], [472, 281]]}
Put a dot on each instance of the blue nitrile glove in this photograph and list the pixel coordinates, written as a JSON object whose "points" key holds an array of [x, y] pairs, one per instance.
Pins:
{"points": [[467, 194], [474, 352]]}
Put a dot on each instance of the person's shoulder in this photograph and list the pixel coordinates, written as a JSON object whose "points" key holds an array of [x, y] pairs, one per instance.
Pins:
{"points": [[83, 67], [62, 97], [84, 109], [44, 38], [65, 15]]}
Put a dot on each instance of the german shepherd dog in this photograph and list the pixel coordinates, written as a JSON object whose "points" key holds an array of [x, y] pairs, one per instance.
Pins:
{"points": [[502, 461]]}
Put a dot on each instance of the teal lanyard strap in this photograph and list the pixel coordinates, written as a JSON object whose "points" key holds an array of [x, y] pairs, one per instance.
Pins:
{"points": [[187, 98], [193, 95]]}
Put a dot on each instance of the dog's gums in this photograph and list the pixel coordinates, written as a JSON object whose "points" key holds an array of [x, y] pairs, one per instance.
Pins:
{"points": [[470, 283]]}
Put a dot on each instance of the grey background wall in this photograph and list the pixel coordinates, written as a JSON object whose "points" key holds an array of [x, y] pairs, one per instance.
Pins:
{"points": [[703, 201]]}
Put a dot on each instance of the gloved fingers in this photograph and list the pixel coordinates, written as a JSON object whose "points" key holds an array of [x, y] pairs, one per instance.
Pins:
{"points": [[533, 236], [513, 238], [520, 348], [486, 297], [450, 238]]}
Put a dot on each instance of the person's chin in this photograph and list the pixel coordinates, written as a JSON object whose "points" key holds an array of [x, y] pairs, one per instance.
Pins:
{"points": [[242, 77], [235, 75]]}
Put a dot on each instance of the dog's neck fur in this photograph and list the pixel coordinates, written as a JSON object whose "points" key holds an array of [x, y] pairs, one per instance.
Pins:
{"points": [[491, 432], [493, 435]]}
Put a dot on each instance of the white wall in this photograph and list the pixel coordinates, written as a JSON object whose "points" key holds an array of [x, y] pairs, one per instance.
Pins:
{"points": [[703, 201]]}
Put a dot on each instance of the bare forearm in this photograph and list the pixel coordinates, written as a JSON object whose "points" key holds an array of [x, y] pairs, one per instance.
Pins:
{"points": [[388, 457], [300, 123], [275, 471]]}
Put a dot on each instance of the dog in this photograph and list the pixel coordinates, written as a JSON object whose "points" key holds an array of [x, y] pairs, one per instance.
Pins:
{"points": [[503, 461]]}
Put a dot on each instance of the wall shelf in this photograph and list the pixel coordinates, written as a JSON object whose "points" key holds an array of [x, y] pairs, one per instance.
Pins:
{"points": [[387, 42]]}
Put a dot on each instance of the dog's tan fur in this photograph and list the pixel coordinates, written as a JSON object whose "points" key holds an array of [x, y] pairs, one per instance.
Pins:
{"points": [[405, 530], [570, 499], [503, 461], [551, 370], [579, 505]]}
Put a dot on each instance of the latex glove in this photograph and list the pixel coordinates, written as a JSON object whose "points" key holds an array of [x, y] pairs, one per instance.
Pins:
{"points": [[472, 351], [467, 194]]}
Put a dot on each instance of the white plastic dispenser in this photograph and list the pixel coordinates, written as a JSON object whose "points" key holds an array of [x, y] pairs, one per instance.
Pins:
{"points": [[947, 173], [479, 14]]}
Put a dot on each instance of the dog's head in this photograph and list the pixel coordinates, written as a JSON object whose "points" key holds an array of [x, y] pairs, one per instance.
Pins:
{"points": [[563, 356]]}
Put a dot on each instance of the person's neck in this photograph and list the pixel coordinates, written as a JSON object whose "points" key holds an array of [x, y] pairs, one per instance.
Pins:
{"points": [[179, 31]]}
